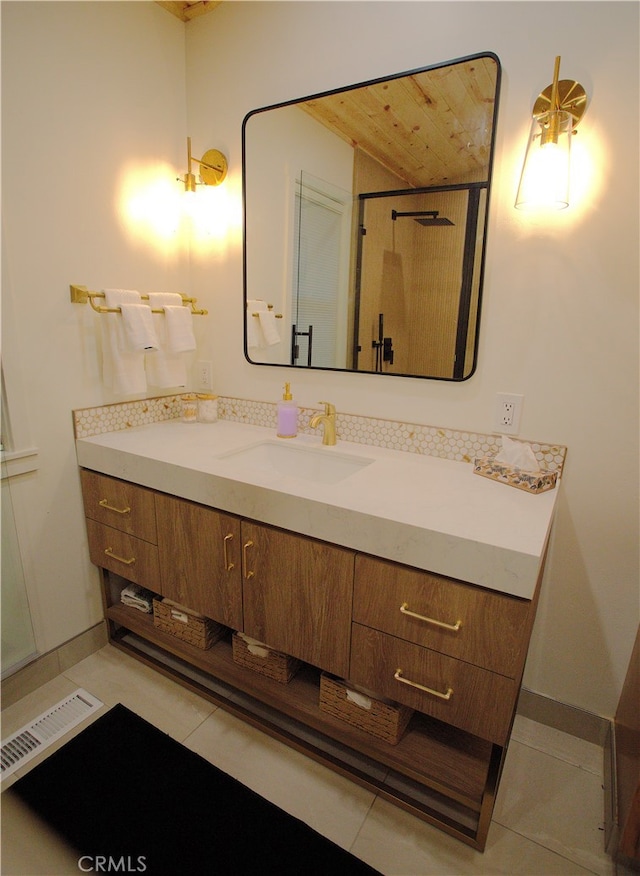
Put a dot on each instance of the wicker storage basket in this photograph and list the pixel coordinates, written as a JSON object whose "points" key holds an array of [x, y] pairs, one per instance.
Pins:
{"points": [[386, 721], [254, 655], [185, 624]]}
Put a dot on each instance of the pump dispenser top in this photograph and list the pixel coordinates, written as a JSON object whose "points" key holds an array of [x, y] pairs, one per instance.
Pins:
{"points": [[287, 415]]}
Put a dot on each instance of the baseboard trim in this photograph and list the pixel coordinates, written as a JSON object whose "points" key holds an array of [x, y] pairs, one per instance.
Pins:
{"points": [[561, 716], [47, 666]]}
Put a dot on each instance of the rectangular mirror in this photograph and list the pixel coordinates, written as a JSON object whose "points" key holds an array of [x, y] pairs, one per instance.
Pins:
{"points": [[365, 216]]}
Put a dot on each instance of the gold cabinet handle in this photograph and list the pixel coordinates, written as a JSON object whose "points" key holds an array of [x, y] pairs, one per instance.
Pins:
{"points": [[109, 552], [404, 608], [104, 503], [434, 693], [228, 565], [248, 573]]}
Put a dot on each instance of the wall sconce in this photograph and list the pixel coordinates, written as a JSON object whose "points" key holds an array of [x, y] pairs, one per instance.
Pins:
{"points": [[544, 181], [213, 169]]}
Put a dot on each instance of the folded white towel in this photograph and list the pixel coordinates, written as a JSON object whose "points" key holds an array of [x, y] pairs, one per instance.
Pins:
{"points": [[137, 597], [180, 337], [122, 369], [165, 368], [139, 332]]}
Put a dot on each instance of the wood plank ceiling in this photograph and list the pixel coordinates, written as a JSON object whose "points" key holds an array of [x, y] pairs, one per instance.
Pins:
{"points": [[428, 128]]}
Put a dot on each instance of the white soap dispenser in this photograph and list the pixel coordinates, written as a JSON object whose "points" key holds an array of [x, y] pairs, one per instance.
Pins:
{"points": [[287, 415]]}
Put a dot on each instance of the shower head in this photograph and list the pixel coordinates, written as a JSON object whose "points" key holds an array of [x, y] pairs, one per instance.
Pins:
{"points": [[428, 218], [437, 220]]}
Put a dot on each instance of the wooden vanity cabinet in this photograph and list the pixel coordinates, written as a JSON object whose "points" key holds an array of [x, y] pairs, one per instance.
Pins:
{"points": [[199, 551], [452, 651]]}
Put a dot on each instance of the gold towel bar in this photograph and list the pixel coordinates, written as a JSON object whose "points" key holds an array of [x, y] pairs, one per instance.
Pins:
{"points": [[80, 295], [269, 307]]}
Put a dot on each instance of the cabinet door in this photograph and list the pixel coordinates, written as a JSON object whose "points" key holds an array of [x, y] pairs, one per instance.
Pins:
{"points": [[199, 551], [297, 596]]}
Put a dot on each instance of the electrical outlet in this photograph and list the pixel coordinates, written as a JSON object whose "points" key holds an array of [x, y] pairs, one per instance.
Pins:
{"points": [[508, 413], [204, 375]]}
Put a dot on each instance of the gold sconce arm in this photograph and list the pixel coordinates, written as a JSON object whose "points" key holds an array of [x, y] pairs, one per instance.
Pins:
{"points": [[213, 168]]}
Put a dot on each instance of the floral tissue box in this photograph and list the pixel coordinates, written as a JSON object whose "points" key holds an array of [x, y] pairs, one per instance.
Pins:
{"points": [[530, 481]]}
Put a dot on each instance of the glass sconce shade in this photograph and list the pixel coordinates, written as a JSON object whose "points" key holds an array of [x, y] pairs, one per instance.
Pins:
{"points": [[544, 182]]}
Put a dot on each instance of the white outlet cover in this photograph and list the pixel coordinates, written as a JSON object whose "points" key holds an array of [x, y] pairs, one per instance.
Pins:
{"points": [[516, 401]]}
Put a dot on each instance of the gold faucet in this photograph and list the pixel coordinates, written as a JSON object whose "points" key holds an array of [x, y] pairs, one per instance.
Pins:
{"points": [[329, 421]]}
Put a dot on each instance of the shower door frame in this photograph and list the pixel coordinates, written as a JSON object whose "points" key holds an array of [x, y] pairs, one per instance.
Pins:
{"points": [[468, 268]]}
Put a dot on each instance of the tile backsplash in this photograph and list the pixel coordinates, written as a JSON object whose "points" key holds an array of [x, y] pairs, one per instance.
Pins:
{"points": [[393, 434]]}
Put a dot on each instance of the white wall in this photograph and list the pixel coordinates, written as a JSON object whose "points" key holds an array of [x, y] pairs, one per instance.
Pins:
{"points": [[92, 102], [560, 315], [94, 96]]}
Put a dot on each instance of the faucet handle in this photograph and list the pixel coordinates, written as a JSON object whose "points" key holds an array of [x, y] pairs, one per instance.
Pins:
{"points": [[328, 408]]}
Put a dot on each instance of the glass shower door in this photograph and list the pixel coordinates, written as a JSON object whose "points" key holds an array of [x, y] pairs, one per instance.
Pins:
{"points": [[18, 641]]}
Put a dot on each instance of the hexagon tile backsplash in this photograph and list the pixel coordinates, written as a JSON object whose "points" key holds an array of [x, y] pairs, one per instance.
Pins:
{"points": [[392, 434]]}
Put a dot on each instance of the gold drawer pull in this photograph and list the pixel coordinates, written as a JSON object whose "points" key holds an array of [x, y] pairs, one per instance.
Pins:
{"points": [[248, 573], [434, 693], [104, 503], [227, 564], [109, 552], [404, 608]]}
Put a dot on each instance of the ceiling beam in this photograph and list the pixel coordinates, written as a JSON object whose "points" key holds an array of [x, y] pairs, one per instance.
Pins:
{"points": [[185, 11]]}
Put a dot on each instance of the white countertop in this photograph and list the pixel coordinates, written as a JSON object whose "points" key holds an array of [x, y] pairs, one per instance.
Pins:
{"points": [[426, 512]]}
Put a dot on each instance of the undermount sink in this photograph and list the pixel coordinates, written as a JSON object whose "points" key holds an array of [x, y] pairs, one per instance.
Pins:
{"points": [[308, 463]]}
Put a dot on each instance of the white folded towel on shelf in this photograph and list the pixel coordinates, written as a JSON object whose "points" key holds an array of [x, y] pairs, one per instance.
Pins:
{"points": [[122, 368], [137, 597], [139, 332], [165, 367]]}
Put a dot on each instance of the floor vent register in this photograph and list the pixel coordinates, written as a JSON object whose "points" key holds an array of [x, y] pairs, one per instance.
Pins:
{"points": [[36, 736]]}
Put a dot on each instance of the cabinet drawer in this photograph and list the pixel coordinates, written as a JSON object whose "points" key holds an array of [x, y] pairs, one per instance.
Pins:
{"points": [[463, 695], [132, 558], [480, 626], [119, 504]]}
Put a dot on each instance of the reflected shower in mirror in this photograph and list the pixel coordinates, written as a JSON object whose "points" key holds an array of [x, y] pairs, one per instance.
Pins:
{"points": [[365, 222]]}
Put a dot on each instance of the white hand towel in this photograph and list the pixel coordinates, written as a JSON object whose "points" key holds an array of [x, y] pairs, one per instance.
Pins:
{"points": [[122, 370], [139, 331], [268, 325], [165, 368], [180, 337], [255, 335]]}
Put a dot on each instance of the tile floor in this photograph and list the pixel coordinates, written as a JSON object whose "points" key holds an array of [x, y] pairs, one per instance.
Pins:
{"points": [[548, 819]]}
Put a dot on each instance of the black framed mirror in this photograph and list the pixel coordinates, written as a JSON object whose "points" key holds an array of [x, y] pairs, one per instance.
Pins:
{"points": [[365, 217]]}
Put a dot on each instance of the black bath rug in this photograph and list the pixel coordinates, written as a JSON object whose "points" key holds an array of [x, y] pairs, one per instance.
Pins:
{"points": [[127, 796]]}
